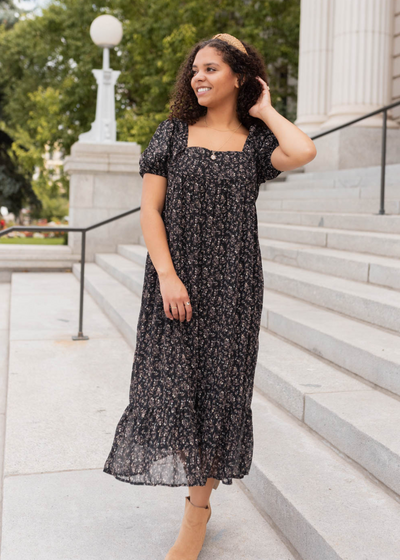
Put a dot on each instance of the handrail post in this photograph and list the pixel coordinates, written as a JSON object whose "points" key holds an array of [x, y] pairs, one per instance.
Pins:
{"points": [[383, 161], [80, 335], [83, 252]]}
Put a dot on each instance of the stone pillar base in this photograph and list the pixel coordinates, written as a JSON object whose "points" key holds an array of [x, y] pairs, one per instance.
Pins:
{"points": [[354, 147], [104, 182]]}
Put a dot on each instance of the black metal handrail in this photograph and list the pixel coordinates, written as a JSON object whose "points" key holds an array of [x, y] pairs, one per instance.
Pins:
{"points": [[80, 335], [384, 109]]}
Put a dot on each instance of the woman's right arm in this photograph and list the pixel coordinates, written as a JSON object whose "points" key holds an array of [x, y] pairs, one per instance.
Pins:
{"points": [[172, 289]]}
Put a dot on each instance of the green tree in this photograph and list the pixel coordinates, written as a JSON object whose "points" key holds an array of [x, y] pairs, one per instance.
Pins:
{"points": [[49, 92], [158, 34], [9, 13], [15, 189], [15, 186]]}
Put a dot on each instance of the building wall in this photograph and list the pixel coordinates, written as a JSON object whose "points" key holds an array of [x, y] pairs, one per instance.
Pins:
{"points": [[396, 61]]}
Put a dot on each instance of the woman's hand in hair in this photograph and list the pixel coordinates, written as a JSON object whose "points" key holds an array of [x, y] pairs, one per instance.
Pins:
{"points": [[263, 102]]}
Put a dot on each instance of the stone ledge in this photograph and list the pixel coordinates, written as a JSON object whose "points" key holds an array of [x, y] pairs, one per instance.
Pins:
{"points": [[118, 157]]}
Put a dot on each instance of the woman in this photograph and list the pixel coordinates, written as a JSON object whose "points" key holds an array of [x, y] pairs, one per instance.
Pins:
{"points": [[189, 420]]}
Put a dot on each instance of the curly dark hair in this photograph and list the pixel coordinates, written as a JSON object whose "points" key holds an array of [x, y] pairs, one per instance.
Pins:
{"points": [[183, 102]]}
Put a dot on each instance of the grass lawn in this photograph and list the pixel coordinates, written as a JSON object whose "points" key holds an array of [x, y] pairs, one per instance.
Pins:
{"points": [[33, 240]]}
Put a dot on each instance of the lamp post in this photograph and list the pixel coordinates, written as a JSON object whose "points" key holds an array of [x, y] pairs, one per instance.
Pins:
{"points": [[103, 172], [106, 32]]}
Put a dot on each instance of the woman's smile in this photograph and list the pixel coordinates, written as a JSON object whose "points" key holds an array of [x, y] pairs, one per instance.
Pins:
{"points": [[203, 90]]}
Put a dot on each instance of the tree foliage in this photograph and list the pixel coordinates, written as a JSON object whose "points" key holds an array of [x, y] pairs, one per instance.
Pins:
{"points": [[47, 89]]}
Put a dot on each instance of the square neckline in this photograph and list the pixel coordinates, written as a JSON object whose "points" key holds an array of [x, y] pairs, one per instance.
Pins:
{"points": [[216, 151]]}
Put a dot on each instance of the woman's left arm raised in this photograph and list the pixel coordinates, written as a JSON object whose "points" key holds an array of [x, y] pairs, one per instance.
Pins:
{"points": [[295, 147]]}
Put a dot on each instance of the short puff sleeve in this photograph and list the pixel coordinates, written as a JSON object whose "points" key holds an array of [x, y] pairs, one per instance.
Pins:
{"points": [[266, 142], [154, 158]]}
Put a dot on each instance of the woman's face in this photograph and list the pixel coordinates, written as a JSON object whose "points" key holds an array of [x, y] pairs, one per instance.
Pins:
{"points": [[210, 71]]}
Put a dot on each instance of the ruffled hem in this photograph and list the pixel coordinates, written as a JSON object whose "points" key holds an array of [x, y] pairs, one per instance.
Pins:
{"points": [[138, 482], [141, 465], [163, 446], [169, 471], [158, 460]]}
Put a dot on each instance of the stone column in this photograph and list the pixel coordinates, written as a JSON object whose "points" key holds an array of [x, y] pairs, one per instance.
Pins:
{"points": [[359, 83], [315, 61], [362, 61], [104, 182]]}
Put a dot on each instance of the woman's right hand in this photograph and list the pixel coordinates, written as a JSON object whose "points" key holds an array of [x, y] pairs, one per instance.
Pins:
{"points": [[174, 294]]}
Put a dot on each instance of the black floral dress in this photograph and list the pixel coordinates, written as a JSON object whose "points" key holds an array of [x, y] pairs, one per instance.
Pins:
{"points": [[189, 415]]}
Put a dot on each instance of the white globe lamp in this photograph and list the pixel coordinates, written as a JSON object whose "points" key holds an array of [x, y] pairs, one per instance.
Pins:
{"points": [[106, 32]]}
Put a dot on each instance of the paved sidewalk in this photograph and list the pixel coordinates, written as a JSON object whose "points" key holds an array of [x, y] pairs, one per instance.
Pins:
{"points": [[64, 401], [4, 319]]}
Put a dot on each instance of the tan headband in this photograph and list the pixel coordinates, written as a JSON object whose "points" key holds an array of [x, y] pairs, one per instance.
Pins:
{"points": [[232, 41]]}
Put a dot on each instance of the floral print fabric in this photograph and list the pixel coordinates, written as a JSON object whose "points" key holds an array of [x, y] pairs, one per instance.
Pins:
{"points": [[189, 415]]}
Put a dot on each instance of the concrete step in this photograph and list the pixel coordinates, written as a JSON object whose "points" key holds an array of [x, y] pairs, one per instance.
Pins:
{"points": [[34, 258], [384, 244], [363, 267], [129, 273], [136, 253], [367, 351], [358, 222], [359, 421], [119, 303], [359, 347], [125, 270], [329, 401], [352, 205], [304, 184], [373, 304], [307, 184], [382, 271], [324, 506], [366, 192], [355, 176]]}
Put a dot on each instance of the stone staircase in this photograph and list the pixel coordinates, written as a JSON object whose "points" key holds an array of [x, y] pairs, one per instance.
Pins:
{"points": [[326, 406]]}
